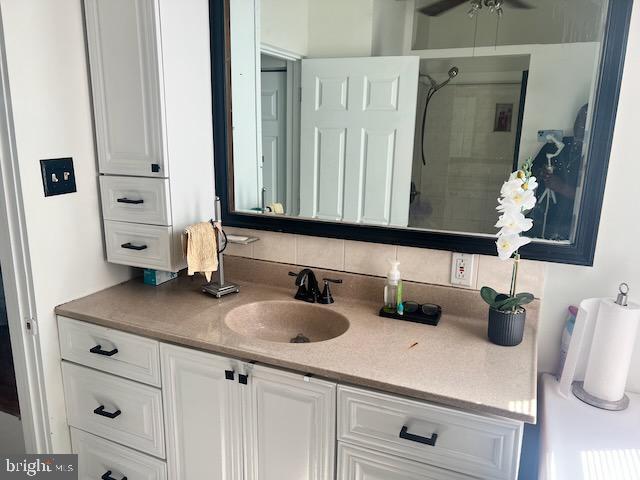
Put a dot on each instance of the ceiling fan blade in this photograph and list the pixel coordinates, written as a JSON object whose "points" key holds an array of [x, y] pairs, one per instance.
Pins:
{"points": [[439, 7], [519, 4]]}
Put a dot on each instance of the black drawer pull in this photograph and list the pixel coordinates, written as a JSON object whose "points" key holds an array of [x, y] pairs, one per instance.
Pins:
{"points": [[100, 411], [417, 438], [107, 476], [229, 374], [243, 379], [107, 353], [132, 202], [130, 246]]}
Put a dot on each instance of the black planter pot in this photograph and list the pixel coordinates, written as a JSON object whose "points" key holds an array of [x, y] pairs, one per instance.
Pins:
{"points": [[506, 328]]}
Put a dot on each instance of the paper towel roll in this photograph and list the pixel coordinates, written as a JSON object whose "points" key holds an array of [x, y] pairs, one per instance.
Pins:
{"points": [[611, 350]]}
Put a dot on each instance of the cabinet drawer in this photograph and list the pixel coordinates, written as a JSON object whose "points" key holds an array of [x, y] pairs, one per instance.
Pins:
{"points": [[486, 447], [145, 246], [113, 408], [109, 350], [356, 463], [97, 457], [138, 200]]}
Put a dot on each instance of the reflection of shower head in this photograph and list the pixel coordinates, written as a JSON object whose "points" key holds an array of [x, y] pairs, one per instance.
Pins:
{"points": [[435, 86], [453, 72]]}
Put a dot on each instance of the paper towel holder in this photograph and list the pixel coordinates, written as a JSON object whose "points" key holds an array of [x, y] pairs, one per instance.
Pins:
{"points": [[566, 383], [578, 390]]}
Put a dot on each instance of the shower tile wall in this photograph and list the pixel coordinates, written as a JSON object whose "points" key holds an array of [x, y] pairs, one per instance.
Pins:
{"points": [[466, 160]]}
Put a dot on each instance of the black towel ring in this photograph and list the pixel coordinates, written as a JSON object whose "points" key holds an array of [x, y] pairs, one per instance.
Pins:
{"points": [[224, 236]]}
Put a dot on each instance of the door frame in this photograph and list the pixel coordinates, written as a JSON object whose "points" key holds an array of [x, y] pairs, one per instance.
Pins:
{"points": [[294, 88], [18, 280]]}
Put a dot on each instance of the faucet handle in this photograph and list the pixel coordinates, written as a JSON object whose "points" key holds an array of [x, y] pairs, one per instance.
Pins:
{"points": [[326, 297], [293, 274]]}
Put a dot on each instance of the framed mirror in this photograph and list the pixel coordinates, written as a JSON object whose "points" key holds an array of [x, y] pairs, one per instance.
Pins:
{"points": [[397, 121]]}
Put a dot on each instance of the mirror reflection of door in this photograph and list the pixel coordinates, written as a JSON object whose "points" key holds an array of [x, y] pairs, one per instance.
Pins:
{"points": [[274, 133], [357, 130]]}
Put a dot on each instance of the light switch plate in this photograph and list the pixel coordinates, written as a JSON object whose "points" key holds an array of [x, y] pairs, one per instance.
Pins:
{"points": [[463, 267], [58, 176]]}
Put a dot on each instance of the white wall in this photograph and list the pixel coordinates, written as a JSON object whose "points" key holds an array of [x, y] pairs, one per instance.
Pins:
{"points": [[339, 28], [388, 27], [554, 95], [247, 133], [283, 23], [617, 253], [319, 28], [52, 114]]}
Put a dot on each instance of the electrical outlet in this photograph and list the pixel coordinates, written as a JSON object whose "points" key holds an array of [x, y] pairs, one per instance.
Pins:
{"points": [[58, 176], [542, 135], [462, 269]]}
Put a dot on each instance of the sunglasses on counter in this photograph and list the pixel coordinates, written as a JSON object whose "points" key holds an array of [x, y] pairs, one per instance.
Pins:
{"points": [[429, 309]]}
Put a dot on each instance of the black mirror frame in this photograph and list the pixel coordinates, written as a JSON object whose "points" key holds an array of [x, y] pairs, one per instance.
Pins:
{"points": [[581, 252]]}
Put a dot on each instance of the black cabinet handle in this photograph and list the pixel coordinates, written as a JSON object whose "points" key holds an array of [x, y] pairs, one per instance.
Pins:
{"points": [[130, 246], [229, 374], [107, 353], [132, 202], [100, 411], [243, 379], [417, 438], [155, 168], [107, 476]]}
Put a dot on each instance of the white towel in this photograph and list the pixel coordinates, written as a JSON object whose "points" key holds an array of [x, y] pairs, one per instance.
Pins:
{"points": [[201, 249]]}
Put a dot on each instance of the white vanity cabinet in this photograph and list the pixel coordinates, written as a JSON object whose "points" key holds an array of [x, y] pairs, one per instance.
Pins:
{"points": [[148, 410], [228, 420], [151, 86]]}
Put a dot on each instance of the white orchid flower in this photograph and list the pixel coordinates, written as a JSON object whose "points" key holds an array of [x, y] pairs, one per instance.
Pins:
{"points": [[509, 244], [511, 187], [519, 200], [530, 184], [513, 222]]}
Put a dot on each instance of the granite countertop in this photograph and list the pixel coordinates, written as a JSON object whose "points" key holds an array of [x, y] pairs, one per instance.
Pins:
{"points": [[452, 364]]}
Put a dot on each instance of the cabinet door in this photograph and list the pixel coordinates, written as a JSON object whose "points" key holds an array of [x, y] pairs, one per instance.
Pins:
{"points": [[124, 61], [202, 415], [289, 426]]}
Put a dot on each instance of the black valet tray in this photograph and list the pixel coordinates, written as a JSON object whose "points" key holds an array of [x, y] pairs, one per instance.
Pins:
{"points": [[417, 317]]}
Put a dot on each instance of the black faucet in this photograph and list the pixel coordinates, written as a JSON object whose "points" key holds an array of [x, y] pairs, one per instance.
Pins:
{"points": [[307, 284]]}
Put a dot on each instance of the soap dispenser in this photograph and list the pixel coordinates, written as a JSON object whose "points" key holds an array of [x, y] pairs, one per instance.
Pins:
{"points": [[393, 288]]}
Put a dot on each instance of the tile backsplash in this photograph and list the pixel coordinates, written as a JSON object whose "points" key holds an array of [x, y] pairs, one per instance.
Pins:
{"points": [[416, 264]]}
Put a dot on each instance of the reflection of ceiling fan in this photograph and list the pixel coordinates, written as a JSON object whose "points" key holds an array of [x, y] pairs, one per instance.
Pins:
{"points": [[441, 6]]}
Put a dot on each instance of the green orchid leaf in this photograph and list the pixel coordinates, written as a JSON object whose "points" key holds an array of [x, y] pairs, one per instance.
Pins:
{"points": [[524, 298], [506, 304], [489, 295]]}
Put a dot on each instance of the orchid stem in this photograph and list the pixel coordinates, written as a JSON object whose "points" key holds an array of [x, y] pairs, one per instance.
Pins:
{"points": [[514, 275]]}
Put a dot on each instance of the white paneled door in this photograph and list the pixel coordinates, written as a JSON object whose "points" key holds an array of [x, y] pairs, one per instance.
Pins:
{"points": [[357, 132], [202, 415], [289, 425], [274, 136]]}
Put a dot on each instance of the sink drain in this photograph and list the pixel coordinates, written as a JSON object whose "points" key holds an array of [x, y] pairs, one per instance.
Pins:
{"points": [[300, 338]]}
